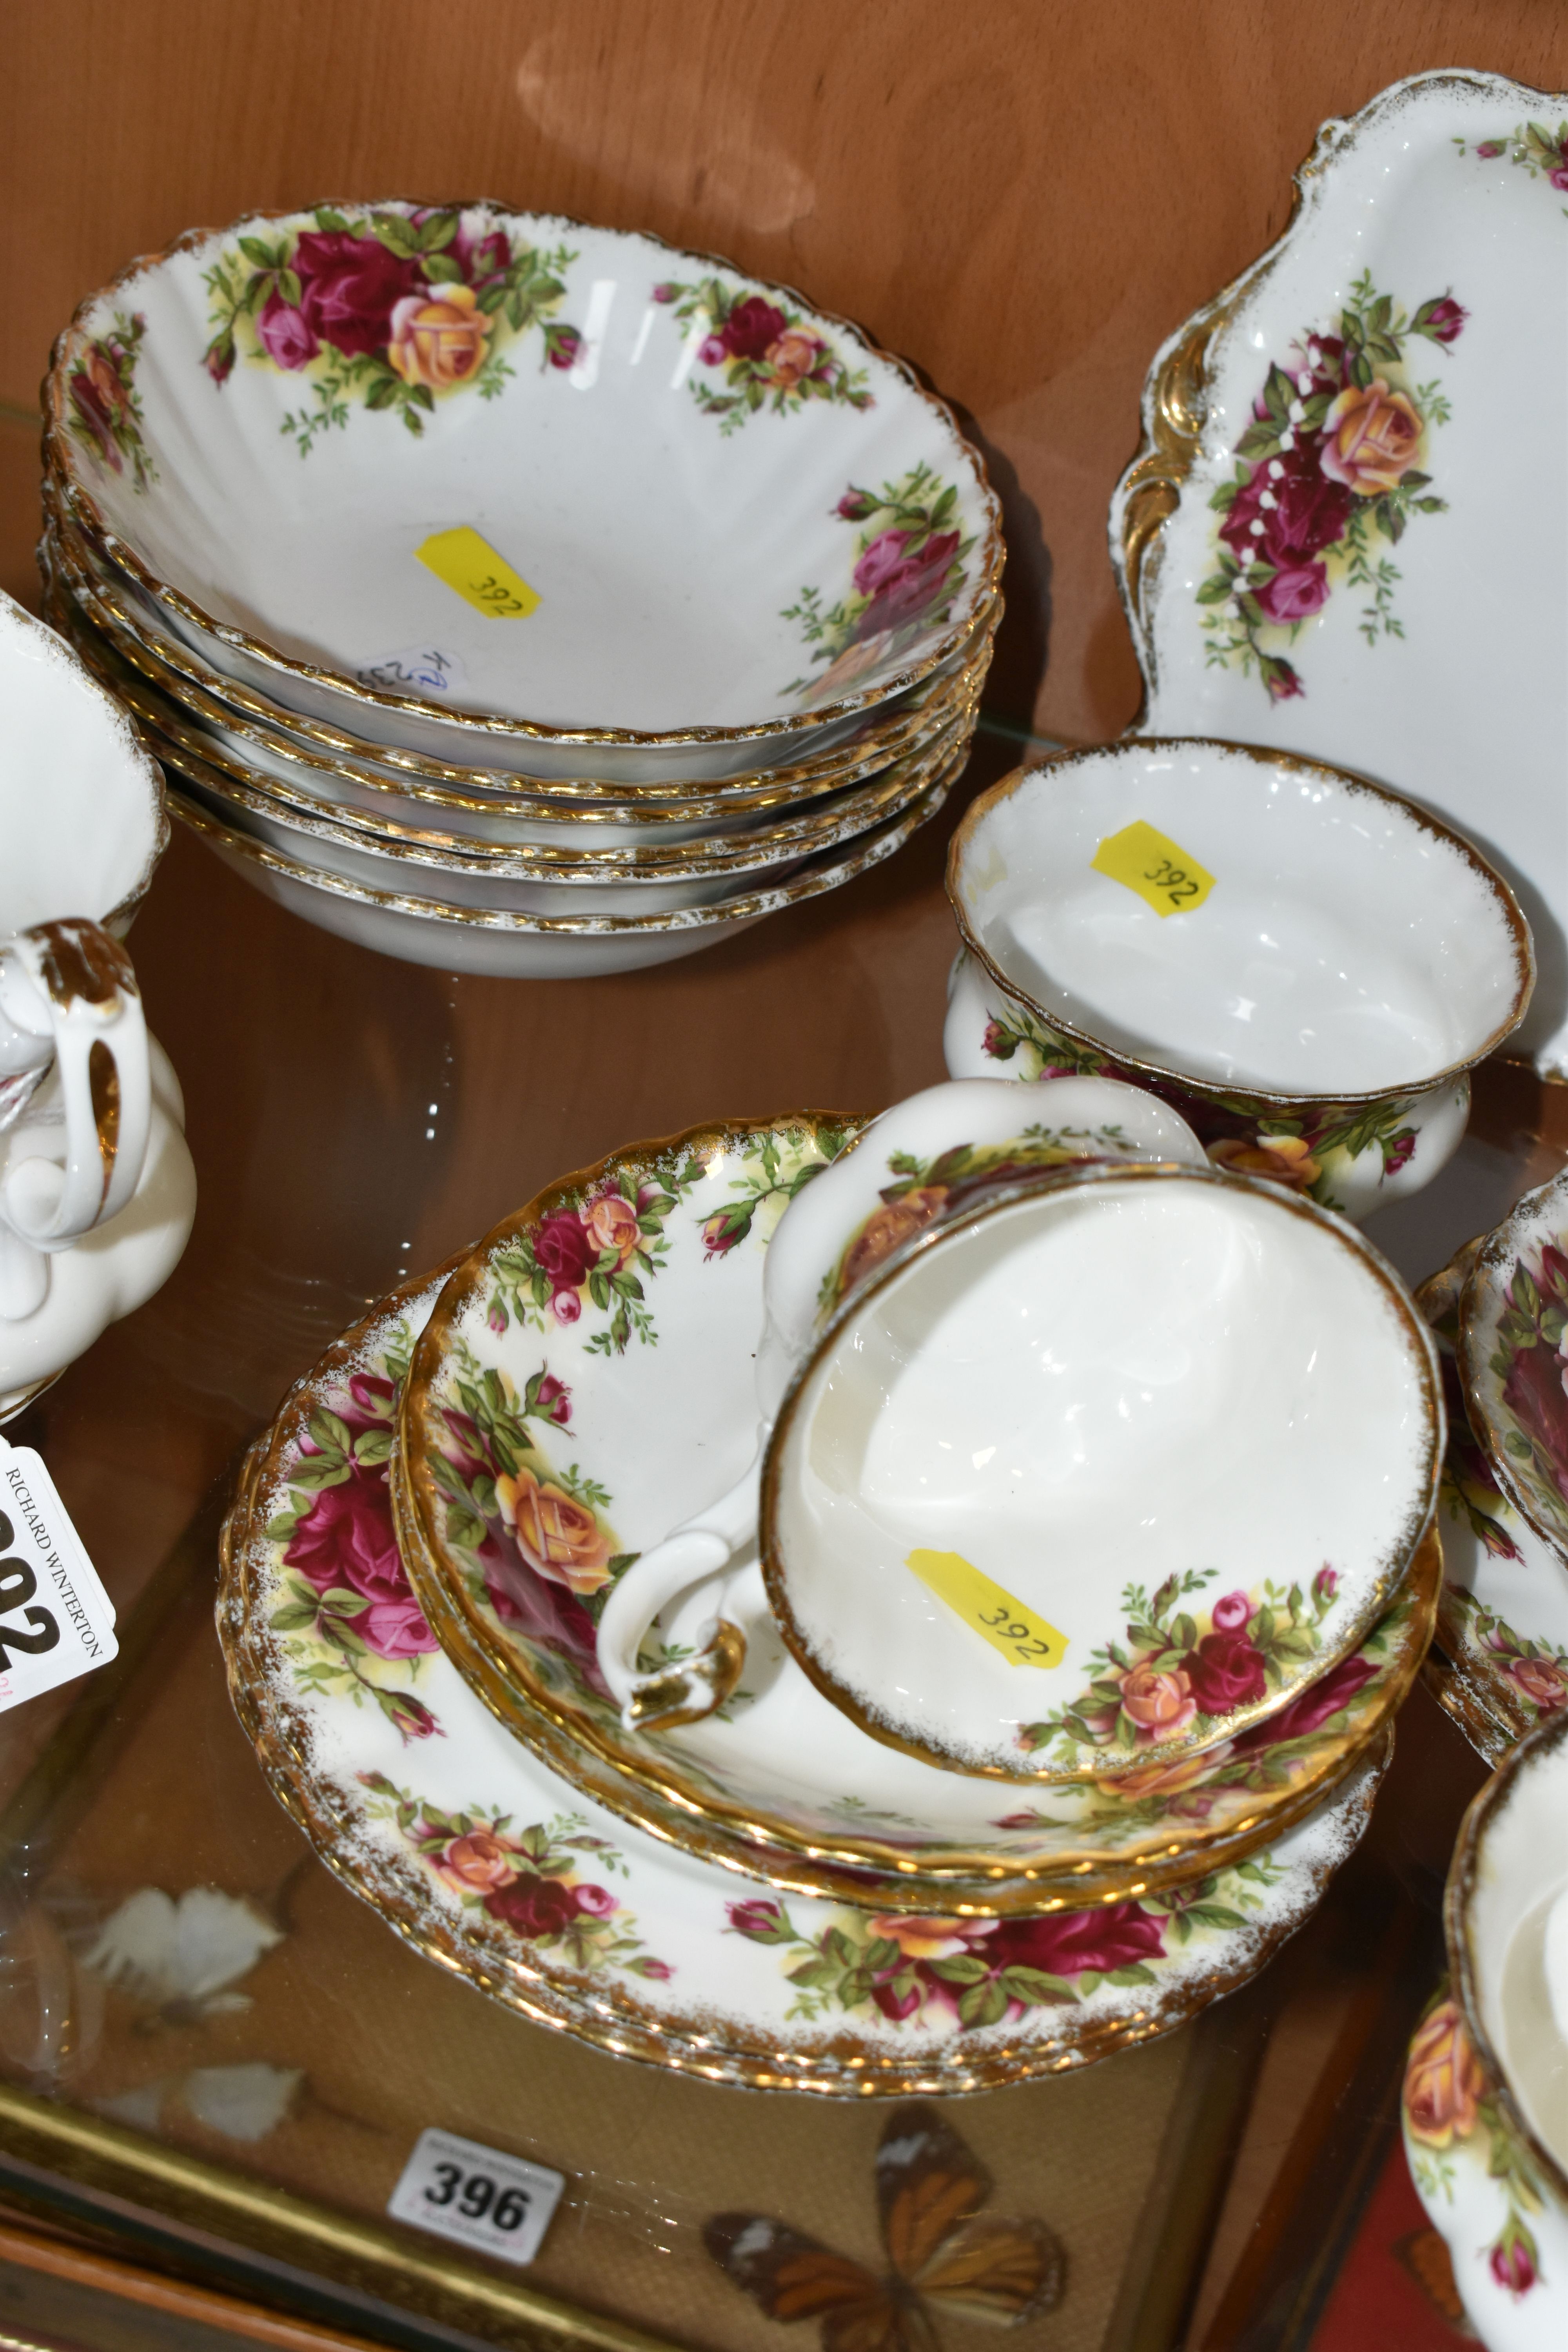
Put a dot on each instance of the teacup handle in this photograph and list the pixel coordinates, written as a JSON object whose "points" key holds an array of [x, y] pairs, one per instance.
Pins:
{"points": [[68, 988], [703, 1548]]}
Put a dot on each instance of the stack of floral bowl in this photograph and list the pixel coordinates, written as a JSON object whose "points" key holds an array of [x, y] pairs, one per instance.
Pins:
{"points": [[513, 595], [453, 1682]]}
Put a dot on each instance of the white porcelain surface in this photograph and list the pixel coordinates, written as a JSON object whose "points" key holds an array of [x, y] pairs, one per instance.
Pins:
{"points": [[1434, 194], [603, 482], [890, 1168], [1338, 1155], [1345, 949], [1126, 1378], [81, 813], [671, 1958], [119, 1264]]}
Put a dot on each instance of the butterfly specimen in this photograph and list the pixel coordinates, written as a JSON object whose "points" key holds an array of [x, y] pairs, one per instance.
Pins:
{"points": [[943, 2253]]}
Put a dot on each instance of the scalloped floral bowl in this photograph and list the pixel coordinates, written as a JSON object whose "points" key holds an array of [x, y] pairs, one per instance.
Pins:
{"points": [[1305, 965], [499, 804], [1104, 1395], [582, 1387], [1486, 2085], [636, 502]]}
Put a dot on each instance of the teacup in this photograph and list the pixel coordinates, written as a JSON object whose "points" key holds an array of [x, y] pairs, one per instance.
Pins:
{"points": [[1305, 965], [82, 827], [1486, 2084], [927, 1160], [1142, 1440]]}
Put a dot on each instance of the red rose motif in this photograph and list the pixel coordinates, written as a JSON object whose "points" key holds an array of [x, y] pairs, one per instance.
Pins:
{"points": [[1533, 1393], [1282, 682], [750, 328], [345, 1538], [1225, 1671], [562, 346], [532, 1906], [1513, 2256], [1445, 319], [1070, 1943], [565, 1248], [1542, 1682], [1298, 511], [1310, 1708], [1558, 176], [350, 288], [553, 1399], [912, 584]]}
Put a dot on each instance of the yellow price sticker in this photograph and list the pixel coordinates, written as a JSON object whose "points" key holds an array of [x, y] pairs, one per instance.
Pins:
{"points": [[1146, 860], [1021, 1636], [482, 578]]}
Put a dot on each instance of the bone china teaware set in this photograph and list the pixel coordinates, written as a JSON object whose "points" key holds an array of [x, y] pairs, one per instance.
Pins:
{"points": [[860, 1605]]}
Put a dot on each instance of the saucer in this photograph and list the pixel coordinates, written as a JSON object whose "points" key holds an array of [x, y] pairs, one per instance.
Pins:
{"points": [[1512, 1316], [1502, 1613], [482, 1858], [635, 1408]]}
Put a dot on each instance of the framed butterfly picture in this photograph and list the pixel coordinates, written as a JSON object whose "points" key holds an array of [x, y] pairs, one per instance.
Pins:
{"points": [[944, 2254]]}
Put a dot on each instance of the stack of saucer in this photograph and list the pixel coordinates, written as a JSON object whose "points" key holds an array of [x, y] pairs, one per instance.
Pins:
{"points": [[510, 595], [493, 1690]]}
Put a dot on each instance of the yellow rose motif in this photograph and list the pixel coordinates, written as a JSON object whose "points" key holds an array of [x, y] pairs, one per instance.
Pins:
{"points": [[1444, 2084], [929, 1939], [557, 1535], [438, 340], [795, 354], [1371, 437], [1283, 1159], [612, 1224]]}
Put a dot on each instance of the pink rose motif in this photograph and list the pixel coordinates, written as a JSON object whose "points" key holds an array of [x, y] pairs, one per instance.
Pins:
{"points": [[594, 1902], [612, 1224], [565, 1306], [350, 288], [912, 584], [1489, 147], [1558, 174], [854, 506], [1159, 1703], [1231, 1613], [562, 1246], [666, 292], [1296, 591], [1325, 1584], [532, 1906], [481, 253], [286, 334], [721, 1233], [1282, 681], [761, 1921], [659, 1971], [750, 328], [345, 1540], [999, 1043], [553, 1398], [562, 346], [1225, 1671], [1542, 1682], [498, 1318], [880, 560], [220, 360]]}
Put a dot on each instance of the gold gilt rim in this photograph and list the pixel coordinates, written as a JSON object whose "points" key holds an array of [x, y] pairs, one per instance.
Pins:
{"points": [[1217, 1090], [886, 794], [613, 2019], [1505, 1240], [882, 843], [1049, 1183], [650, 1791], [990, 555], [1463, 1877], [174, 669], [1174, 407], [1464, 1699]]}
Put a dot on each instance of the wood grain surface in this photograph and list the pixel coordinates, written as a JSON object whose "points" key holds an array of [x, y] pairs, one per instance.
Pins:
{"points": [[1022, 196]]}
